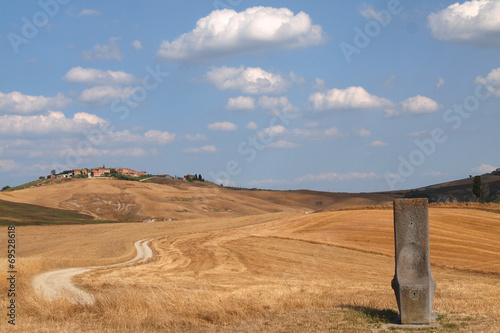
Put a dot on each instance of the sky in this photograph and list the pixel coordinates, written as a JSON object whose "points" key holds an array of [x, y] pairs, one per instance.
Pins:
{"points": [[342, 96]]}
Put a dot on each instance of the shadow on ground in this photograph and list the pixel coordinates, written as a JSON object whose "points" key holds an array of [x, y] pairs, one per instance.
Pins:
{"points": [[387, 316]]}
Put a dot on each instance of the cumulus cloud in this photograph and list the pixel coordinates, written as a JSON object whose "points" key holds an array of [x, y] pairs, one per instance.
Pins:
{"points": [[250, 80], [93, 76], [277, 103], [414, 105], [475, 22], [136, 44], [351, 98], [205, 149], [252, 126], [159, 137], [317, 134], [110, 51], [378, 144], [224, 126], [16, 102], [274, 131], [89, 12], [52, 122], [241, 103], [484, 168], [282, 144], [102, 95], [227, 32], [491, 81]]}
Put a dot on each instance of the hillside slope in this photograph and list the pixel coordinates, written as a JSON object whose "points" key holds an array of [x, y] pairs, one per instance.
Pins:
{"points": [[109, 199], [460, 190]]}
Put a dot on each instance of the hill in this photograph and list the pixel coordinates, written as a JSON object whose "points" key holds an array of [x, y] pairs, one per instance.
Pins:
{"points": [[169, 199], [460, 190], [15, 213]]}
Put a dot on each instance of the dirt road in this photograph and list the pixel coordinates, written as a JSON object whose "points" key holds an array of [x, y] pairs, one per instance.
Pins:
{"points": [[57, 283]]}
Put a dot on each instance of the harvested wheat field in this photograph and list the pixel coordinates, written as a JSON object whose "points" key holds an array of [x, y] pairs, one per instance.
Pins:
{"points": [[116, 200], [275, 272]]}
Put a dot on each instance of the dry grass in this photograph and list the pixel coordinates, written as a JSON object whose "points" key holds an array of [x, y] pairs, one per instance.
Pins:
{"points": [[115, 200], [281, 272]]}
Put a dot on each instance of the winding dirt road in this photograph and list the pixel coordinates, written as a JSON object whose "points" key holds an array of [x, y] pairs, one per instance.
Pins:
{"points": [[53, 284]]}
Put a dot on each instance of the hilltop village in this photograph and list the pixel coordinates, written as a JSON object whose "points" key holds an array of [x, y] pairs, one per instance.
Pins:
{"points": [[96, 172], [122, 173]]}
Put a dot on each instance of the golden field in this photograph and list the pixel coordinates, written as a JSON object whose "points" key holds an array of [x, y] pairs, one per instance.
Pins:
{"points": [[274, 268]]}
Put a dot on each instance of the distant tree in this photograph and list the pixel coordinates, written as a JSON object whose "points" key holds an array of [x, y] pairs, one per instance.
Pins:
{"points": [[53, 172], [200, 178], [5, 188], [476, 189]]}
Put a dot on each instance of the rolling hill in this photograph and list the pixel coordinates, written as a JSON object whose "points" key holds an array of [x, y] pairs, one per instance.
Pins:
{"points": [[117, 200]]}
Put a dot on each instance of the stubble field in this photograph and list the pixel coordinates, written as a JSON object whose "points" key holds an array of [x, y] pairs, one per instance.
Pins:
{"points": [[274, 272]]}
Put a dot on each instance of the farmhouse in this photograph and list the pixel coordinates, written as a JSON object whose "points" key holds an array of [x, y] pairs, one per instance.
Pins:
{"points": [[130, 172], [99, 172]]}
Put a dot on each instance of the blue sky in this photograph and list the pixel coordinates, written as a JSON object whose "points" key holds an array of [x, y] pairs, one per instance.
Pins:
{"points": [[343, 96]]}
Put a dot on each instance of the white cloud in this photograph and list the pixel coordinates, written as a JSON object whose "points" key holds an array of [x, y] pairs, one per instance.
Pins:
{"points": [[475, 22], [414, 105], [15, 102], [195, 137], [227, 32], [52, 122], [8, 165], [205, 149], [102, 95], [136, 44], [440, 83], [252, 126], [319, 85], [282, 144], [419, 104], [277, 103], [110, 51], [274, 131], [484, 168], [95, 76], [159, 137], [331, 176], [362, 132], [350, 98], [368, 12], [241, 103], [223, 126], [250, 80], [378, 143], [491, 81], [317, 134], [89, 12]]}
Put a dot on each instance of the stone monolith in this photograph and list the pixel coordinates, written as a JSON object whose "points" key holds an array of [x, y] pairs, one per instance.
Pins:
{"points": [[413, 283]]}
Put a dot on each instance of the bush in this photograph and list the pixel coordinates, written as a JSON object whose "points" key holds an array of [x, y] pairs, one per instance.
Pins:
{"points": [[5, 188]]}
